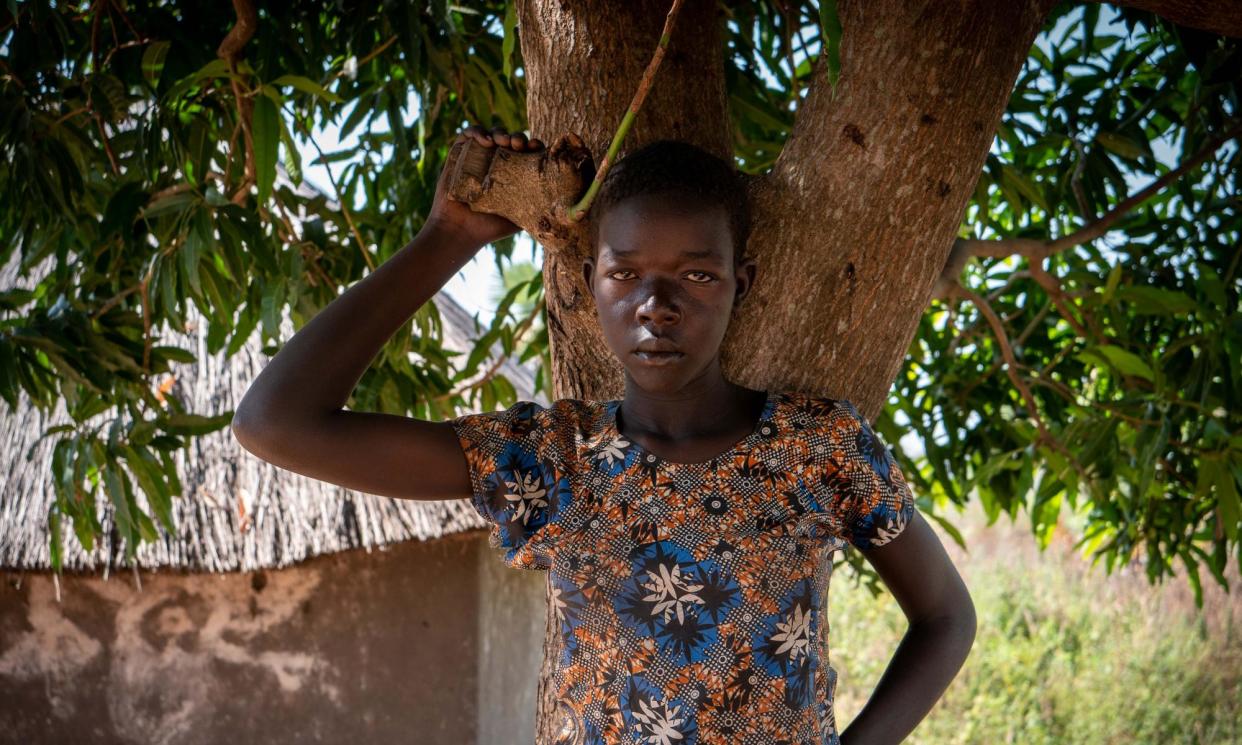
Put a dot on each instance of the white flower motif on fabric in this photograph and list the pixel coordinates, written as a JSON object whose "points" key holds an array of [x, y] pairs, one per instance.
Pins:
{"points": [[671, 591], [657, 723], [558, 603], [794, 633], [526, 493], [613, 451], [888, 533]]}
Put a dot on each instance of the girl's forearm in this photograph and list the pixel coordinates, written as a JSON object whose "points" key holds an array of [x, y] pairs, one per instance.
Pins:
{"points": [[928, 658], [314, 373]]}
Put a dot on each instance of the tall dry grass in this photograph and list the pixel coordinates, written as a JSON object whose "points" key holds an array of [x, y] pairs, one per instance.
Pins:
{"points": [[1064, 654]]}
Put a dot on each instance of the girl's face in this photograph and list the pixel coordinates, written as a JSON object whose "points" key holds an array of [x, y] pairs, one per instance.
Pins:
{"points": [[665, 286]]}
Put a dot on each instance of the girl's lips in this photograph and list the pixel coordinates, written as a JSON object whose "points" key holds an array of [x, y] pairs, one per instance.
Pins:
{"points": [[659, 358]]}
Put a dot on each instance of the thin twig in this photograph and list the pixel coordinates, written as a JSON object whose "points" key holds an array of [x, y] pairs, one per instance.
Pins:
{"points": [[116, 167], [340, 198], [70, 115], [10, 75], [370, 56], [1012, 369], [112, 301], [786, 28], [495, 366], [1052, 286], [244, 110], [579, 210], [1030, 327], [1002, 340]]}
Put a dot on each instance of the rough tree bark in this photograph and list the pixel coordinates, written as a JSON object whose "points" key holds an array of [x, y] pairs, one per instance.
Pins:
{"points": [[852, 226]]}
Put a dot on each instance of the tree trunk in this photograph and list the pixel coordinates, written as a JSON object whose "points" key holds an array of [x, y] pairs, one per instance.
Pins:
{"points": [[859, 214], [851, 227]]}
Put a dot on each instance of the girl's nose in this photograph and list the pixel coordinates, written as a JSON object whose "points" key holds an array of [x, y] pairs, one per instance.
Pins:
{"points": [[658, 307]]}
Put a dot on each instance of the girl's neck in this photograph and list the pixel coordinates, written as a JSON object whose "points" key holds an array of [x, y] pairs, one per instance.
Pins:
{"points": [[694, 422]]}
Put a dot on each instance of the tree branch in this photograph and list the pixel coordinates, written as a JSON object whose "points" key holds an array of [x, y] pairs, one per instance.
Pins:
{"points": [[1218, 16], [241, 33], [230, 51], [1011, 368], [1037, 250]]}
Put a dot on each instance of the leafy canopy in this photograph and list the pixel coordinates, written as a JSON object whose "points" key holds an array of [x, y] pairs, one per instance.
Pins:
{"points": [[142, 173]]}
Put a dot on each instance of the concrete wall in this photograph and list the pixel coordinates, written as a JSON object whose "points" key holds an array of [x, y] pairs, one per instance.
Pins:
{"points": [[433, 642]]}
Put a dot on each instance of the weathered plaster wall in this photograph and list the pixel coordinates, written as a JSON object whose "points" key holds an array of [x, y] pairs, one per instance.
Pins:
{"points": [[512, 616], [354, 647]]}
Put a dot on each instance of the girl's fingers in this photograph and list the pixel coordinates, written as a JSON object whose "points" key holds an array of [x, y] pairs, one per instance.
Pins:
{"points": [[478, 134], [500, 136]]}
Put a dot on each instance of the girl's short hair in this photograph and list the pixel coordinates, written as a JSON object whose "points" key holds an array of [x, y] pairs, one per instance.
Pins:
{"points": [[685, 172]]}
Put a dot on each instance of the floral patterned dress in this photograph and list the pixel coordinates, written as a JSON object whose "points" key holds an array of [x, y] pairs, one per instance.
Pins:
{"points": [[690, 596]]}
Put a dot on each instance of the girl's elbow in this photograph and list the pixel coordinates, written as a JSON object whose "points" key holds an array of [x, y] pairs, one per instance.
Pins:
{"points": [[244, 427], [254, 428]]}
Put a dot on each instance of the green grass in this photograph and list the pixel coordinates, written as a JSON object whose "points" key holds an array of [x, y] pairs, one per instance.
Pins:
{"points": [[1064, 653]]}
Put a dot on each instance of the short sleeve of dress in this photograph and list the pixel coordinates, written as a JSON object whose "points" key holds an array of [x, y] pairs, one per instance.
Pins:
{"points": [[868, 496], [519, 480]]}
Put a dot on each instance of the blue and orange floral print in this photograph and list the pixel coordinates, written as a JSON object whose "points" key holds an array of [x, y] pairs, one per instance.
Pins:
{"points": [[690, 597]]}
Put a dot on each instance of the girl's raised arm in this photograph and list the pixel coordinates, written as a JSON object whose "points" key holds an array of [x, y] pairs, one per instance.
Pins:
{"points": [[292, 415]]}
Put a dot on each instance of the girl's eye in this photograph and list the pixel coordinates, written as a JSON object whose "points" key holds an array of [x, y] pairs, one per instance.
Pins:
{"points": [[619, 271], [707, 277]]}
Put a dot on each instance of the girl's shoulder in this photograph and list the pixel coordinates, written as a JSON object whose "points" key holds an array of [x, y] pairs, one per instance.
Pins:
{"points": [[806, 410], [560, 423]]}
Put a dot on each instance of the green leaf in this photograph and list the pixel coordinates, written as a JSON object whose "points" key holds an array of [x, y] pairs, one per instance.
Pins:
{"points": [[116, 483], [1157, 301], [247, 320], [1025, 186], [293, 157], [146, 469], [306, 85], [265, 129], [1227, 496], [196, 424], [1125, 361], [53, 529], [176, 354], [273, 302], [1120, 145], [172, 203], [153, 62], [510, 42], [1110, 285]]}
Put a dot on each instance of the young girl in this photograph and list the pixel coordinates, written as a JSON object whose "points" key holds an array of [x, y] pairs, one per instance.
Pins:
{"points": [[688, 528]]}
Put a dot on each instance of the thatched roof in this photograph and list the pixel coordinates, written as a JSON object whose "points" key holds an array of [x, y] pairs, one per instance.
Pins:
{"points": [[290, 517]]}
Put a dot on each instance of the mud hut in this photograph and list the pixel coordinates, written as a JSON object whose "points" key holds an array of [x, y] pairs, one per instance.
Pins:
{"points": [[284, 608]]}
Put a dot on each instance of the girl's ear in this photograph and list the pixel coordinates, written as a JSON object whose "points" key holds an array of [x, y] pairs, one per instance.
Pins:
{"points": [[588, 272], [744, 275]]}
